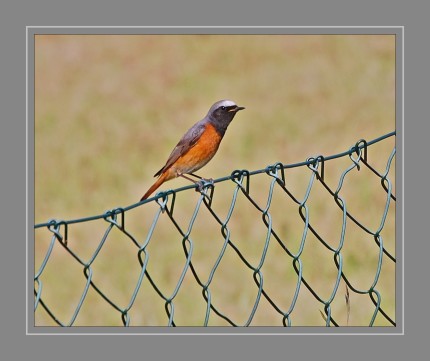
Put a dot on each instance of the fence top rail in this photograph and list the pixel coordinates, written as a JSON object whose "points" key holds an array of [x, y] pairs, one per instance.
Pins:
{"points": [[361, 144]]}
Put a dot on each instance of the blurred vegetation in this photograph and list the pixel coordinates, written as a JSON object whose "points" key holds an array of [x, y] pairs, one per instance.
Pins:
{"points": [[110, 108]]}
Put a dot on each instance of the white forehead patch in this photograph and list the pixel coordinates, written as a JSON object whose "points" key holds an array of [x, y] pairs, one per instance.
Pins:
{"points": [[225, 103], [221, 103]]}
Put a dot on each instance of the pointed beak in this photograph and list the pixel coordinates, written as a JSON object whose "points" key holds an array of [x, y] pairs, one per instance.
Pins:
{"points": [[236, 109]]}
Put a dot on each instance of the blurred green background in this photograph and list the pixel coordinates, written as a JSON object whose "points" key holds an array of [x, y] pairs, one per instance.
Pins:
{"points": [[110, 108]]}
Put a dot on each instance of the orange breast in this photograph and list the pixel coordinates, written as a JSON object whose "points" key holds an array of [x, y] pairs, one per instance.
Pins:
{"points": [[201, 153]]}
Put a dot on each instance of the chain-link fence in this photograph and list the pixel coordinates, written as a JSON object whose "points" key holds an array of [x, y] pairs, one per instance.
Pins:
{"points": [[311, 243]]}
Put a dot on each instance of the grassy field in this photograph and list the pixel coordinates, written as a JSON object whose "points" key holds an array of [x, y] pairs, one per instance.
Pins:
{"points": [[108, 111]]}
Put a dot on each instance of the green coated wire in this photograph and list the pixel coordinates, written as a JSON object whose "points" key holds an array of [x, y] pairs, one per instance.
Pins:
{"points": [[241, 179]]}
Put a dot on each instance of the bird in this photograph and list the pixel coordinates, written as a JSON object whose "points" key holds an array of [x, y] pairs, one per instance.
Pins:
{"points": [[198, 145]]}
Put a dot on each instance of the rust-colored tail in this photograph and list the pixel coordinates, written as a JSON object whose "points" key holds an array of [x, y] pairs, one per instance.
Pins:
{"points": [[158, 183]]}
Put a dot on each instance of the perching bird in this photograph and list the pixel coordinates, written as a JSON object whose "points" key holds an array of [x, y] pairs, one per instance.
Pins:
{"points": [[198, 146]]}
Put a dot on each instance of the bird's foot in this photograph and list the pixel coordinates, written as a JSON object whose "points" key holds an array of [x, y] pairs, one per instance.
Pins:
{"points": [[203, 183]]}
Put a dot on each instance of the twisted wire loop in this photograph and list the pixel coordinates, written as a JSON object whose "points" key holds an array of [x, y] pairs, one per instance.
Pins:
{"points": [[343, 285]]}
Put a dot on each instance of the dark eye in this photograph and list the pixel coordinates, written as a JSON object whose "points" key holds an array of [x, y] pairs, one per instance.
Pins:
{"points": [[223, 107]]}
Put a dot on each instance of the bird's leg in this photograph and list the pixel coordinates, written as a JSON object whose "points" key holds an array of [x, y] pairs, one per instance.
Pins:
{"points": [[195, 175], [184, 176], [201, 183], [207, 180]]}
